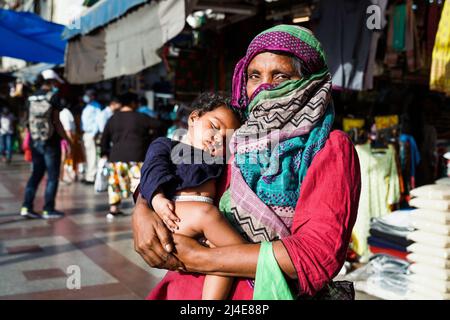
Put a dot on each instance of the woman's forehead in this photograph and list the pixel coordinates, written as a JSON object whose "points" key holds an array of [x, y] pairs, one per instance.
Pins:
{"points": [[271, 60]]}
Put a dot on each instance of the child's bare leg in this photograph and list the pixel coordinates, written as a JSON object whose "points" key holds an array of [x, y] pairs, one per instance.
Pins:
{"points": [[205, 219]]}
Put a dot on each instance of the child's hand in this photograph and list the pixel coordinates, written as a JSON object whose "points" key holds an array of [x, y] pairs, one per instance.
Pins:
{"points": [[165, 209]]}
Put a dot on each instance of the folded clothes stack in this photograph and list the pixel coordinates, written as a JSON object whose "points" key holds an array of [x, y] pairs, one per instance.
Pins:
{"points": [[430, 253], [388, 234]]}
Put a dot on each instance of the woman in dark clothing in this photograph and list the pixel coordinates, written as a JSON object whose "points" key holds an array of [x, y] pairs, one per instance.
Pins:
{"points": [[125, 140]]}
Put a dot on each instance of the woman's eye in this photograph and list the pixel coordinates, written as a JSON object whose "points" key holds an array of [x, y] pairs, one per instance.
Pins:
{"points": [[282, 77], [253, 77]]}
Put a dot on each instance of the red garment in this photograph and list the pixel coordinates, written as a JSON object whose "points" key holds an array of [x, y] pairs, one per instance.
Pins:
{"points": [[321, 230], [392, 252]]}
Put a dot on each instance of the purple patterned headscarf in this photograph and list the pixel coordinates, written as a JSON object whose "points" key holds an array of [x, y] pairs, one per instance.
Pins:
{"points": [[294, 40]]}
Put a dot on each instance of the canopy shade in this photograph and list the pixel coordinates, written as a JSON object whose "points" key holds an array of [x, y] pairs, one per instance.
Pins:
{"points": [[125, 46], [27, 36], [100, 14]]}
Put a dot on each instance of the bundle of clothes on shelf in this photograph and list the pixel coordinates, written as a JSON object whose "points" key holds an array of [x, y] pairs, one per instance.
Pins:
{"points": [[430, 252], [389, 234], [410, 249]]}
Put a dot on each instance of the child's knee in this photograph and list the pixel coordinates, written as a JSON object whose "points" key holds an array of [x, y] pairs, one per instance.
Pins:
{"points": [[208, 212]]}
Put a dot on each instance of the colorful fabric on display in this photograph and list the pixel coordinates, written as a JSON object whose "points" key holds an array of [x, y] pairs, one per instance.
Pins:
{"points": [[440, 67], [399, 27], [380, 188], [295, 118], [414, 153], [123, 180], [395, 253], [349, 124], [385, 122]]}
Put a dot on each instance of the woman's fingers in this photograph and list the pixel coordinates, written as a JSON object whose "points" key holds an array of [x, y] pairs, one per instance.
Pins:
{"points": [[164, 237]]}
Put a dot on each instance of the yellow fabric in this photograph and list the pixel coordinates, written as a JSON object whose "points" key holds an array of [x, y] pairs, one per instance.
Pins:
{"points": [[380, 188], [385, 122], [440, 66], [349, 124]]}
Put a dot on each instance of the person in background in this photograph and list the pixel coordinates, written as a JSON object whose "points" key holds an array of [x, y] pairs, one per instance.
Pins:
{"points": [[90, 130], [46, 132], [67, 170], [143, 108], [124, 143], [105, 114], [7, 120]]}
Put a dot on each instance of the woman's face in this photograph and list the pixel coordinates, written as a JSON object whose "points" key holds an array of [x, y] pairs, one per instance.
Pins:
{"points": [[269, 68]]}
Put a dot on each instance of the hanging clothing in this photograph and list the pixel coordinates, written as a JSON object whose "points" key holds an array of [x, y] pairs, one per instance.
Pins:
{"points": [[403, 37], [380, 189], [433, 17], [440, 67], [409, 158], [347, 47], [376, 34], [399, 25], [413, 46]]}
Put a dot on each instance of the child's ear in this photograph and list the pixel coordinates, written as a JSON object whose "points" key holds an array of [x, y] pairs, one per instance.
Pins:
{"points": [[194, 116]]}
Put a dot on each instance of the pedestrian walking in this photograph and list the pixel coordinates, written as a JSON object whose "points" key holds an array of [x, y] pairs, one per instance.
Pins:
{"points": [[46, 132], [90, 130], [124, 143], [6, 134]]}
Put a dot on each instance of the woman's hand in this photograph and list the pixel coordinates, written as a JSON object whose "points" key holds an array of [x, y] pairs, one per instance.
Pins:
{"points": [[191, 253], [152, 239]]}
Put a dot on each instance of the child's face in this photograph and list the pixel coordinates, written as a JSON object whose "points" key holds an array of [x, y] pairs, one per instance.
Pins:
{"points": [[209, 131]]}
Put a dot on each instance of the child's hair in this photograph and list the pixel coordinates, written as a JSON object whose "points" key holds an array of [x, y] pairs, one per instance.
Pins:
{"points": [[209, 101]]}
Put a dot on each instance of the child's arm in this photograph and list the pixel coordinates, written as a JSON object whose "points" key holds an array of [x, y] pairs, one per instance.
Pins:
{"points": [[157, 174], [165, 209]]}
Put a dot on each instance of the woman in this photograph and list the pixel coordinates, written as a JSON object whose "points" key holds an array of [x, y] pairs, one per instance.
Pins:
{"points": [[282, 84], [125, 140]]}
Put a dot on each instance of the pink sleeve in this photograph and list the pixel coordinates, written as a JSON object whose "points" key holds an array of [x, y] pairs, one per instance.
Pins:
{"points": [[325, 214]]}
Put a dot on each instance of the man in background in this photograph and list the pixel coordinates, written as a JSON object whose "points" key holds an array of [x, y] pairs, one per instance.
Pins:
{"points": [[90, 129], [46, 132], [107, 113]]}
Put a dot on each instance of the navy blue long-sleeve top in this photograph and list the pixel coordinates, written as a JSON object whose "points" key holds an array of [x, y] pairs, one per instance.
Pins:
{"points": [[174, 166]]}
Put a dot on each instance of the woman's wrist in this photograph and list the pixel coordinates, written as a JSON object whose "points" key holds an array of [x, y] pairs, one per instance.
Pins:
{"points": [[202, 260]]}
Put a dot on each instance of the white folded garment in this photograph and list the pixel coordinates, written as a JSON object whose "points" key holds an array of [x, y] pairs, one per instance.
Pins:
{"points": [[431, 272], [428, 238], [399, 219], [429, 260], [423, 249], [418, 295], [443, 181], [434, 216], [432, 191], [442, 205], [422, 224], [430, 283]]}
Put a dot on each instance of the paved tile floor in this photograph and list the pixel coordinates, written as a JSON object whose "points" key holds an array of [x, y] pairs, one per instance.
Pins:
{"points": [[36, 256]]}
